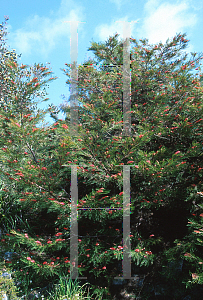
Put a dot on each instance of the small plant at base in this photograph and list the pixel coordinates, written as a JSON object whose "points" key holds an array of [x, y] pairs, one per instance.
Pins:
{"points": [[7, 285], [66, 288]]}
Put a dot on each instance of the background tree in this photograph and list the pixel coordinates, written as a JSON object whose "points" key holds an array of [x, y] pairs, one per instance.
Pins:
{"points": [[166, 144]]}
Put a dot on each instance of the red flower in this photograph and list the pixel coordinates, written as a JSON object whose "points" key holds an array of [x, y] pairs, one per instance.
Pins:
{"points": [[194, 276], [187, 254], [177, 152], [65, 126], [104, 268], [59, 233], [20, 174]]}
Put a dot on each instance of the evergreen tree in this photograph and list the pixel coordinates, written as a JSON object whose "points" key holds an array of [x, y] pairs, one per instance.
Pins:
{"points": [[164, 149], [165, 146]]}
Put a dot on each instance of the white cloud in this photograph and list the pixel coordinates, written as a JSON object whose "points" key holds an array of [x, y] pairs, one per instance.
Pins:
{"points": [[151, 5], [105, 30], [164, 20], [117, 2], [42, 34]]}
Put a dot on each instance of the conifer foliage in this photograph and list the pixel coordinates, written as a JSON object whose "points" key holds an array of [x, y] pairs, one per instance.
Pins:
{"points": [[164, 151]]}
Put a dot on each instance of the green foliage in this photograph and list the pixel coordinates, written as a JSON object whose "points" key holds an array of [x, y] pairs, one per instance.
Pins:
{"points": [[71, 290], [164, 151], [7, 285]]}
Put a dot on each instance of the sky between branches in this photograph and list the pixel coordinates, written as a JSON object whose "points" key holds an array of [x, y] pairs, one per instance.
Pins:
{"points": [[40, 31]]}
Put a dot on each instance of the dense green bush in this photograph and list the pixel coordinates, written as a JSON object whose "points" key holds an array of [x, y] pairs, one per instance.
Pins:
{"points": [[164, 149]]}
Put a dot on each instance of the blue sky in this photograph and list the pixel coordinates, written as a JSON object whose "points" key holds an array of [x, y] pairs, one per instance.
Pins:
{"points": [[38, 30]]}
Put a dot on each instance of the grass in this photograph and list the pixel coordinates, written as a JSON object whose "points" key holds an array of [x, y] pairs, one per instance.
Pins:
{"points": [[65, 289], [69, 290]]}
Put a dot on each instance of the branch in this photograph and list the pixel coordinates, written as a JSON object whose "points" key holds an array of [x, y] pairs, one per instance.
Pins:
{"points": [[52, 194], [32, 153]]}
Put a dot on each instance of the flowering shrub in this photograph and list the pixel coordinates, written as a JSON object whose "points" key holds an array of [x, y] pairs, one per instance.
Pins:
{"points": [[164, 151]]}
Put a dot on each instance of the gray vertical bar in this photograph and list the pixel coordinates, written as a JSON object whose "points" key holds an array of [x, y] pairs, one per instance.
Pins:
{"points": [[74, 79], [74, 131], [126, 81], [74, 224], [126, 223]]}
